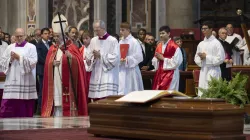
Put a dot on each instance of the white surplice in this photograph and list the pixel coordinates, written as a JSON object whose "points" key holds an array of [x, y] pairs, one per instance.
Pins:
{"points": [[105, 71], [3, 47], [86, 52], [130, 78], [171, 64], [20, 80], [246, 56], [210, 67], [236, 55]]}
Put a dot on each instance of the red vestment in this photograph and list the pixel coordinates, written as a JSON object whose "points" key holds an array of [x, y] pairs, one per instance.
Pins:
{"points": [[69, 106], [163, 78]]}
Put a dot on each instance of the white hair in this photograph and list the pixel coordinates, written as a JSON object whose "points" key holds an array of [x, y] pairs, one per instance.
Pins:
{"points": [[101, 23]]}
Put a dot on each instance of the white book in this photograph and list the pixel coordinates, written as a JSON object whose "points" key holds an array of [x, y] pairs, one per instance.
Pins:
{"points": [[148, 95]]}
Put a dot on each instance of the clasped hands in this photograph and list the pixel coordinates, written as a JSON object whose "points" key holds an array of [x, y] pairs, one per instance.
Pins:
{"points": [[96, 54], [122, 60], [202, 55], [228, 61], [56, 63], [14, 56], [159, 56]]}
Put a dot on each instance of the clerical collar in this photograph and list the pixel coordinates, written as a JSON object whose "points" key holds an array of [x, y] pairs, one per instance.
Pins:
{"points": [[21, 44], [129, 36], [106, 35]]}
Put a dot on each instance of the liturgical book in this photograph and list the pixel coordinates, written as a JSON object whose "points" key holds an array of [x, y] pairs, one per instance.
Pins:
{"points": [[149, 95], [232, 40], [124, 50]]}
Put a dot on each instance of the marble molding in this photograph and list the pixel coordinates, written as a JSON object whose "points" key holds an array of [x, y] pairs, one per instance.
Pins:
{"points": [[31, 16], [139, 14], [76, 12]]}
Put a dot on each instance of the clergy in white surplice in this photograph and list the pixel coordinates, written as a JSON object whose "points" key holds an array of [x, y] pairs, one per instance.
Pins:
{"points": [[3, 47], [167, 59], [236, 49], [18, 63], [246, 55], [130, 78], [209, 55], [105, 60]]}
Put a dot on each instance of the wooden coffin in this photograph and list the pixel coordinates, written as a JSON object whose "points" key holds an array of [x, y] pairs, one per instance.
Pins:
{"points": [[167, 119]]}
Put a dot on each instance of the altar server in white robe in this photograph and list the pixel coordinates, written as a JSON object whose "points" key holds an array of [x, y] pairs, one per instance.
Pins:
{"points": [[209, 55], [3, 47], [236, 52], [104, 59], [130, 78], [18, 63], [246, 55]]}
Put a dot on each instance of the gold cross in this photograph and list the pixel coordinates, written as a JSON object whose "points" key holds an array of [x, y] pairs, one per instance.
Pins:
{"points": [[66, 94]]}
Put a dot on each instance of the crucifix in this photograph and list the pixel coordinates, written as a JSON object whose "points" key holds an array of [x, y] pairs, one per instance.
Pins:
{"points": [[64, 43]]}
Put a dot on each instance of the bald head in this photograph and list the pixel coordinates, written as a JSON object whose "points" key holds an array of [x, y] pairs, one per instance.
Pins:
{"points": [[19, 30], [222, 33], [99, 27], [20, 35]]}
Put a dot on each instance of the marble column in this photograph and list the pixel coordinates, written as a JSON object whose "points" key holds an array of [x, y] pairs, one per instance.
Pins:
{"points": [[13, 15], [118, 15], [42, 14], [181, 13], [100, 10], [4, 15], [160, 16]]}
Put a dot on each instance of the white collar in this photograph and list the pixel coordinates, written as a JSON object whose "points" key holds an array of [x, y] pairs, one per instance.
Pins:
{"points": [[128, 37]]}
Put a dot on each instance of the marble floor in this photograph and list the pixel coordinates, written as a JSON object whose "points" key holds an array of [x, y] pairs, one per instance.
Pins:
{"points": [[55, 122], [43, 123]]}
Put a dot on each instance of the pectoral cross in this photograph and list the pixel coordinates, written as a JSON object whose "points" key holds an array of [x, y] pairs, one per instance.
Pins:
{"points": [[66, 93]]}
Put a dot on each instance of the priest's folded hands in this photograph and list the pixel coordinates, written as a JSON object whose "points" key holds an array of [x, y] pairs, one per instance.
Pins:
{"points": [[159, 56], [96, 54], [56, 63], [14, 56], [123, 60], [202, 55]]}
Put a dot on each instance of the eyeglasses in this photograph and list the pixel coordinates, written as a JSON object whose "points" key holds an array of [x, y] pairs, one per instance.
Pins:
{"points": [[204, 29]]}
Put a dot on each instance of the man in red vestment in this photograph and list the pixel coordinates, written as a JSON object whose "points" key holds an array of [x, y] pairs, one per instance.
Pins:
{"points": [[168, 58], [69, 96]]}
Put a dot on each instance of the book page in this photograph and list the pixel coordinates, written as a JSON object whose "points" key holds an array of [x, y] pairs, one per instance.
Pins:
{"points": [[142, 96], [230, 39]]}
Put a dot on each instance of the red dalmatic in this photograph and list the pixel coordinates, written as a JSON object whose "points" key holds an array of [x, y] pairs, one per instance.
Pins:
{"points": [[163, 78]]}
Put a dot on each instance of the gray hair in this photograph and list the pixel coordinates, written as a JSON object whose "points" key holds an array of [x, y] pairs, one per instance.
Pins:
{"points": [[222, 28], [101, 23]]}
